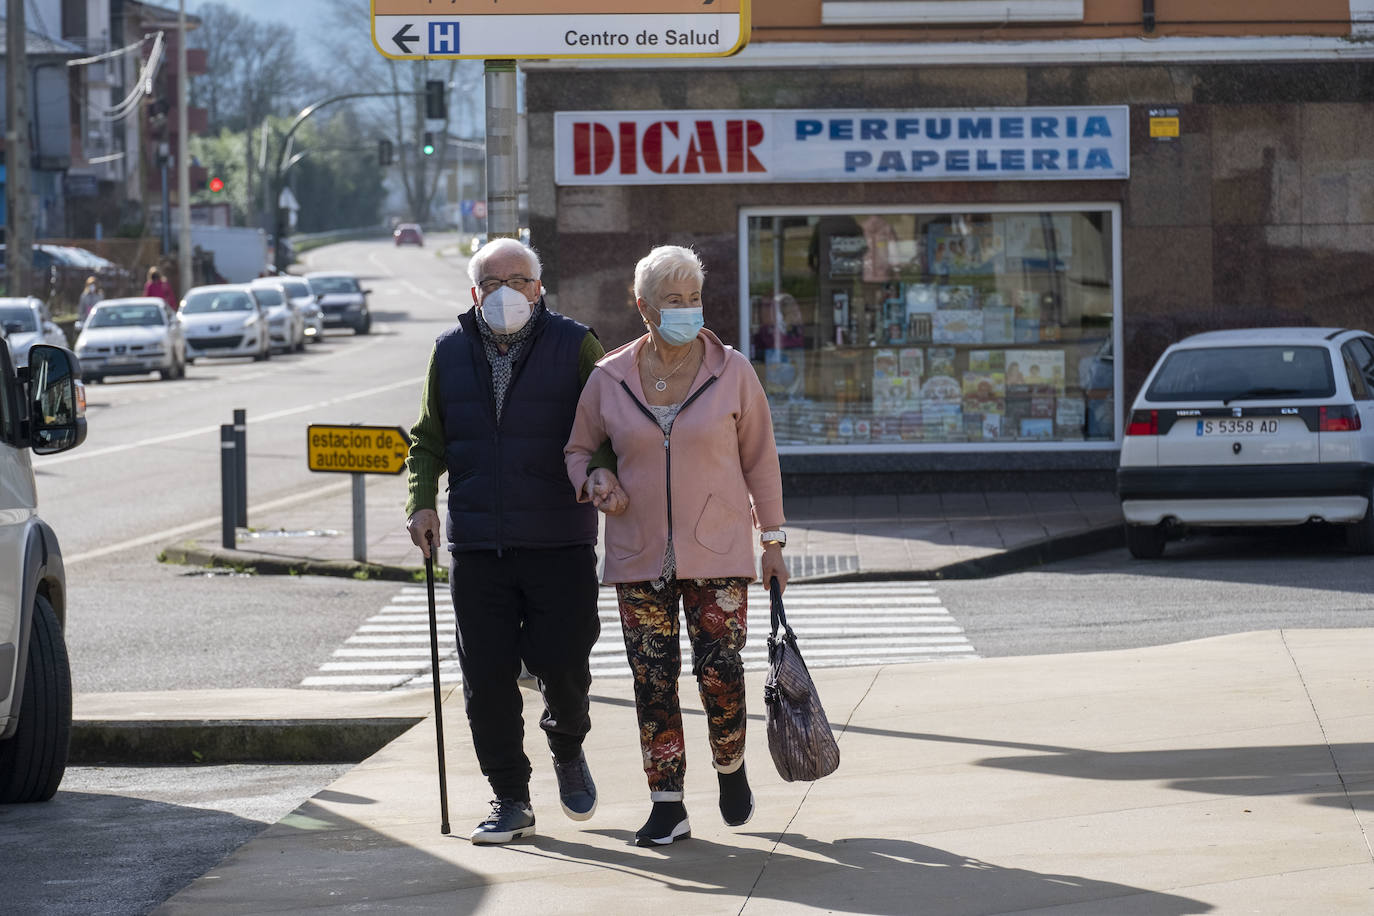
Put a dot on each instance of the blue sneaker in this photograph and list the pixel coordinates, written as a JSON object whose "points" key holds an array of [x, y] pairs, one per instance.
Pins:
{"points": [[576, 791], [509, 820]]}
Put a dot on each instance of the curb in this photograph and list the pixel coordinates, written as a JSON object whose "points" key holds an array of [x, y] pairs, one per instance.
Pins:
{"points": [[184, 742], [191, 553], [1015, 559]]}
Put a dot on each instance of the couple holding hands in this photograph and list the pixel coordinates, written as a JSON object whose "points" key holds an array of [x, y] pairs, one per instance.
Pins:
{"points": [[538, 428]]}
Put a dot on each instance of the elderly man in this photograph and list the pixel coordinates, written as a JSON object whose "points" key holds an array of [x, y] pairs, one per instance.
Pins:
{"points": [[500, 393]]}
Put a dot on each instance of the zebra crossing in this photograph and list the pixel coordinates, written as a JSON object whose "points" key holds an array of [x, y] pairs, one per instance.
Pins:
{"points": [[837, 625]]}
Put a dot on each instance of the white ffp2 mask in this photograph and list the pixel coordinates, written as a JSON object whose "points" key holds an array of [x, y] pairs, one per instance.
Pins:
{"points": [[506, 310]]}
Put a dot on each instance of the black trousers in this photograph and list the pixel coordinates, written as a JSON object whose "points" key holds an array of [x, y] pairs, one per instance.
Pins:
{"points": [[531, 606]]}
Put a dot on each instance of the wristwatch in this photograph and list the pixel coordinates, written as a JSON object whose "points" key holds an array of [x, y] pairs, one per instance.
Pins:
{"points": [[776, 536]]}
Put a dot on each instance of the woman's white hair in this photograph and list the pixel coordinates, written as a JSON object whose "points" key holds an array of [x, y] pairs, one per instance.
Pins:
{"points": [[666, 263], [502, 246]]}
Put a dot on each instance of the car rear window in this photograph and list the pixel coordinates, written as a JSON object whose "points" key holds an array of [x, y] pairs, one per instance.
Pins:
{"points": [[227, 301], [1244, 373]]}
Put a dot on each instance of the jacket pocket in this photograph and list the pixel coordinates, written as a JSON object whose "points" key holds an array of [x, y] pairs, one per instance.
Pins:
{"points": [[623, 538], [719, 525]]}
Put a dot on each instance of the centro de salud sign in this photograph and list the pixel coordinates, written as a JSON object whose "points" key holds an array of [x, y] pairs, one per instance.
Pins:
{"points": [[498, 29], [357, 449]]}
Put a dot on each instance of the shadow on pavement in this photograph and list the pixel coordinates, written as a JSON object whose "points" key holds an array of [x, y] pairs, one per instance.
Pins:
{"points": [[871, 875]]}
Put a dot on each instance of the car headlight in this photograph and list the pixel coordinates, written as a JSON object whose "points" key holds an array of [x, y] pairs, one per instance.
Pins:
{"points": [[250, 321]]}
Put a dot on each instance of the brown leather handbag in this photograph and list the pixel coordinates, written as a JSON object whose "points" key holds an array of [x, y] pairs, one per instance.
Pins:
{"points": [[799, 736]]}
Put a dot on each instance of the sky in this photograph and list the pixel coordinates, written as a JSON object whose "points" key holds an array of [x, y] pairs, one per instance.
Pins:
{"points": [[296, 13]]}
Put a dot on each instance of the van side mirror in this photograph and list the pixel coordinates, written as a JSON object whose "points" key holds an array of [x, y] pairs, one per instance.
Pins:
{"points": [[56, 400]]}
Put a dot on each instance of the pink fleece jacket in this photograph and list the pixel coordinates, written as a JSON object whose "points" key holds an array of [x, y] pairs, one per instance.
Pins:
{"points": [[716, 476]]}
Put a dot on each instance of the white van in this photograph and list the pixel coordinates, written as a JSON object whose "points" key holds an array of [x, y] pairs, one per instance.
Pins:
{"points": [[42, 408]]}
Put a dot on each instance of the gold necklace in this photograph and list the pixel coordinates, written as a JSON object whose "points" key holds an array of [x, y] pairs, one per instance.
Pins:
{"points": [[661, 384]]}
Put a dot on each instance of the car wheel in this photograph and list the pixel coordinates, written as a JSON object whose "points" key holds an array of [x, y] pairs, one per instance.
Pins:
{"points": [[364, 327], [1359, 536], [1146, 542], [33, 761]]}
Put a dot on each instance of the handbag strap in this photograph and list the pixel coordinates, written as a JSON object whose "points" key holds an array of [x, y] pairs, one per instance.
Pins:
{"points": [[776, 615]]}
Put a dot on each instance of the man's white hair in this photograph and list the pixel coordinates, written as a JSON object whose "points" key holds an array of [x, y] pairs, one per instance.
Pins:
{"points": [[478, 263], [665, 263]]}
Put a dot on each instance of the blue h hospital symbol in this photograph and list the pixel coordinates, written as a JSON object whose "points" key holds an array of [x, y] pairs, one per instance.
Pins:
{"points": [[443, 37]]}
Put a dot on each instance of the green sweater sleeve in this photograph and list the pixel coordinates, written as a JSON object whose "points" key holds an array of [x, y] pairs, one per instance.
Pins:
{"points": [[604, 457], [426, 459]]}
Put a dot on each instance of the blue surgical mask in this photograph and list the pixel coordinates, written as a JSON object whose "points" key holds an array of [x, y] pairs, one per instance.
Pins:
{"points": [[680, 326]]}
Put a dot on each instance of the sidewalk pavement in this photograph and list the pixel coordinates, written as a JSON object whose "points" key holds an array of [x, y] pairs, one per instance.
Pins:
{"points": [[1222, 775], [1232, 774]]}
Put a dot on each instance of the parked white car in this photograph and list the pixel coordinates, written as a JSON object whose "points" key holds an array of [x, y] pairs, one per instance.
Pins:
{"points": [[26, 322], [298, 290], [44, 413], [131, 337], [285, 323], [1263, 427], [342, 299], [224, 320]]}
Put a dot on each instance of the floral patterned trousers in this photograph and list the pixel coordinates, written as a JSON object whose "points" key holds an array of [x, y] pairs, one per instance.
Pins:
{"points": [[716, 618]]}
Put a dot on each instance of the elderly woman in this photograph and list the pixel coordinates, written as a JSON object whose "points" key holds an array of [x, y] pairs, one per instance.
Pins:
{"points": [[698, 470]]}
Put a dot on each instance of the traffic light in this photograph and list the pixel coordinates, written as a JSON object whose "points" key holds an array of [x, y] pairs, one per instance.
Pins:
{"points": [[435, 105], [385, 151], [216, 185], [428, 147]]}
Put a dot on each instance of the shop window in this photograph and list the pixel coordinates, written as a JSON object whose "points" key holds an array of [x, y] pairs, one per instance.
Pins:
{"points": [[905, 328]]}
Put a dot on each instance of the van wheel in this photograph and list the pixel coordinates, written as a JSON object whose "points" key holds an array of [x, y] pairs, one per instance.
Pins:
{"points": [[1359, 536], [33, 761], [1146, 542]]}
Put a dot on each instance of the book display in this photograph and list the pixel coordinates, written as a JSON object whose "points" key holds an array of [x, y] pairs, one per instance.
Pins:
{"points": [[928, 327]]}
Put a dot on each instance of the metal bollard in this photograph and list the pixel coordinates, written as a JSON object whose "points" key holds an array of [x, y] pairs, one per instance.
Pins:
{"points": [[241, 467], [228, 498]]}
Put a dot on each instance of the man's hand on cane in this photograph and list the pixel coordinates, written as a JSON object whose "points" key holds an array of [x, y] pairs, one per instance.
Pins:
{"points": [[423, 526]]}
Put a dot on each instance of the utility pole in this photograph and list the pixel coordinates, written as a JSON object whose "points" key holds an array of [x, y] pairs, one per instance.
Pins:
{"points": [[183, 157], [18, 197], [503, 193]]}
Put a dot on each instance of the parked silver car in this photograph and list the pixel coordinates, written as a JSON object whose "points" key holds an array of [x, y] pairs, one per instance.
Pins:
{"points": [[131, 337], [301, 296], [26, 322], [224, 320], [285, 322]]}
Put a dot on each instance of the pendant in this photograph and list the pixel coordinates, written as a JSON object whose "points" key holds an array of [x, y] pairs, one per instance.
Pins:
{"points": [[661, 385]]}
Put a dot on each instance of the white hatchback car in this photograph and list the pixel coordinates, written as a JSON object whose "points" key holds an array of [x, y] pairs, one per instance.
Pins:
{"points": [[1262, 427], [284, 320], [299, 292], [131, 337], [27, 322], [224, 321], [41, 410]]}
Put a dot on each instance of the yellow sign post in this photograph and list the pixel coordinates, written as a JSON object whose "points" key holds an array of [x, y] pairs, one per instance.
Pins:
{"points": [[514, 29], [357, 449]]}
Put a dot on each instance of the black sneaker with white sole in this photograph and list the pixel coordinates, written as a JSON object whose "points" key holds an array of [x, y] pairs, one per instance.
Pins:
{"points": [[509, 820], [666, 823], [736, 798], [576, 791]]}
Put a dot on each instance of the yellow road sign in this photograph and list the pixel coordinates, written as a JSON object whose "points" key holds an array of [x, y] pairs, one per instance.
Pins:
{"points": [[498, 29], [357, 449]]}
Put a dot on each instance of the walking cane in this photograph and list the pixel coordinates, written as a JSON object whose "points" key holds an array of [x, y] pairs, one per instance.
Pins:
{"points": [[438, 706]]}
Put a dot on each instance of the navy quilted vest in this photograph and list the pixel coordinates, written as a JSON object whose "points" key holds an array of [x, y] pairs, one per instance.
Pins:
{"points": [[507, 484]]}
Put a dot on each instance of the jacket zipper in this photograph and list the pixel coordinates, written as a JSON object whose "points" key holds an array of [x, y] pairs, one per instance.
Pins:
{"points": [[667, 439]]}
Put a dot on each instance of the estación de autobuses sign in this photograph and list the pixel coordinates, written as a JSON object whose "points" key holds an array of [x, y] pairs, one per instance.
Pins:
{"points": [[712, 147], [489, 29]]}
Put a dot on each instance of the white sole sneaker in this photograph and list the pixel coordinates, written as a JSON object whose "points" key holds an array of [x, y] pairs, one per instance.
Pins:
{"points": [[573, 815], [491, 838], [682, 831]]}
